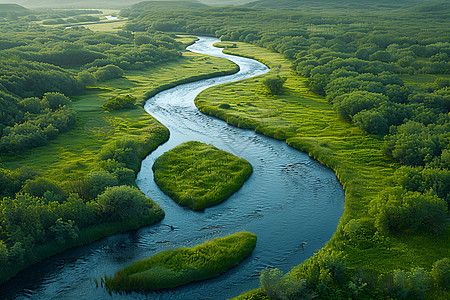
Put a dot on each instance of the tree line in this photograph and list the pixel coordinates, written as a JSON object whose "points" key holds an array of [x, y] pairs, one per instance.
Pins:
{"points": [[40, 69]]}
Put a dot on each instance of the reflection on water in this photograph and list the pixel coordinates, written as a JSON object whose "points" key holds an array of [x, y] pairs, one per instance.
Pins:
{"points": [[288, 199]]}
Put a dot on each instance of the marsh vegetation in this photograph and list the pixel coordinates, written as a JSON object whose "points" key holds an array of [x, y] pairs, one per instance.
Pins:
{"points": [[198, 175], [361, 86], [180, 266]]}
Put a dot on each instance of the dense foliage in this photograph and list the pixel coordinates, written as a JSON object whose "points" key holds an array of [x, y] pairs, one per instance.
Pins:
{"points": [[40, 67], [36, 212], [197, 175], [384, 72], [173, 268], [32, 65], [357, 62]]}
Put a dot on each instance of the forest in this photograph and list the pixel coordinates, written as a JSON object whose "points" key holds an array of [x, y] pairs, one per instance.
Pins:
{"points": [[41, 68], [382, 67]]}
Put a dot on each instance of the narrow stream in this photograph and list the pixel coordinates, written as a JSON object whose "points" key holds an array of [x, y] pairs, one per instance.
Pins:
{"points": [[289, 199]]}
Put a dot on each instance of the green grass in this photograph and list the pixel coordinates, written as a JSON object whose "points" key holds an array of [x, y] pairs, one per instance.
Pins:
{"points": [[75, 153], [307, 122], [198, 175], [177, 267]]}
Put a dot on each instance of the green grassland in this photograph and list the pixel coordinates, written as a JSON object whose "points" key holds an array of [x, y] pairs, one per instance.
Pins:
{"points": [[173, 268], [75, 153], [307, 122], [198, 175], [102, 24]]}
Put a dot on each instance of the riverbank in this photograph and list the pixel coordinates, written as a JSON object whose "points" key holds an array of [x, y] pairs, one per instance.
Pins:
{"points": [[74, 155], [308, 123]]}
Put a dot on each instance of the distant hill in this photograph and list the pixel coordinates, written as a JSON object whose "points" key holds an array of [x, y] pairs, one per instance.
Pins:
{"points": [[112, 4], [155, 5], [12, 8], [320, 5]]}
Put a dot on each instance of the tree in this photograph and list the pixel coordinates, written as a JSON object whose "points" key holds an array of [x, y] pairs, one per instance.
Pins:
{"points": [[441, 273], [108, 72], [38, 187], [86, 79], [120, 102], [274, 83], [397, 211], [348, 105], [371, 121], [55, 100], [118, 203], [442, 82]]}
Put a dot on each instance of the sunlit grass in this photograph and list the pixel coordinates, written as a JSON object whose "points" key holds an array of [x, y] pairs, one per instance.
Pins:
{"points": [[75, 153], [198, 175], [307, 122], [173, 268]]}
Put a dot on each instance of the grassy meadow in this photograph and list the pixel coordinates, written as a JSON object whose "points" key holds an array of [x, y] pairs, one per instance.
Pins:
{"points": [[198, 175], [307, 122], [75, 153], [180, 266]]}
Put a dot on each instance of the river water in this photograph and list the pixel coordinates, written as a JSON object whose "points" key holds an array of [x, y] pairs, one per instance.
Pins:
{"points": [[289, 199]]}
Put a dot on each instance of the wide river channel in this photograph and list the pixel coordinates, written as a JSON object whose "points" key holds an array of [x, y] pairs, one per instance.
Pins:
{"points": [[289, 199]]}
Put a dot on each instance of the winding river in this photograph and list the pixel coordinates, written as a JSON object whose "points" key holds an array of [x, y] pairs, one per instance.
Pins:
{"points": [[289, 199]]}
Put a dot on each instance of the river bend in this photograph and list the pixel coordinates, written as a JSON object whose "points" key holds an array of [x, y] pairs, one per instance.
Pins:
{"points": [[290, 198]]}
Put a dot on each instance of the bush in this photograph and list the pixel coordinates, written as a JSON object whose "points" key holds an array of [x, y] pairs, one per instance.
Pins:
{"points": [[124, 151], [411, 284], [118, 203], [371, 121], [120, 102], [274, 83], [108, 72], [99, 181], [55, 100], [279, 286], [348, 105], [441, 273], [397, 210], [38, 187], [322, 272], [86, 79]]}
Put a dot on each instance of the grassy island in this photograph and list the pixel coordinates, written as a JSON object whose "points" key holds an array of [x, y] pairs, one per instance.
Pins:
{"points": [[79, 185], [198, 175], [173, 268]]}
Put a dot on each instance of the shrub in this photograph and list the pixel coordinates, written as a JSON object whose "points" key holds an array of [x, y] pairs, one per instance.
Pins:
{"points": [[86, 79], [124, 151], [117, 203], [279, 286], [411, 284], [55, 100], [322, 272], [348, 105], [108, 72], [441, 273], [99, 181], [371, 121], [397, 210], [274, 83], [38, 187], [120, 102]]}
